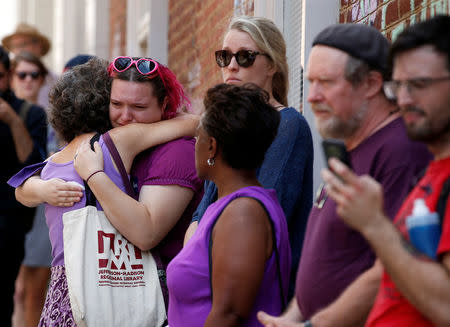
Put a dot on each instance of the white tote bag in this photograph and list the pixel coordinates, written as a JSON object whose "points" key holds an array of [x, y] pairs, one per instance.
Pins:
{"points": [[111, 282]]}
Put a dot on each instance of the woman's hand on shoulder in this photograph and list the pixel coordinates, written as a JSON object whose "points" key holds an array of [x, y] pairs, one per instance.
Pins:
{"points": [[60, 193], [87, 161]]}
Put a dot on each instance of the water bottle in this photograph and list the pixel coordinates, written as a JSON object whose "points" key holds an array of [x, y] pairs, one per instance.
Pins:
{"points": [[424, 229]]}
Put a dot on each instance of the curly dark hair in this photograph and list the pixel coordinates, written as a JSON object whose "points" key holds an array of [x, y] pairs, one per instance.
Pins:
{"points": [[242, 121], [79, 100]]}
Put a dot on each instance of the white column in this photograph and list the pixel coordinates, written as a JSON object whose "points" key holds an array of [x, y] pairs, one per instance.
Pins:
{"points": [[69, 31], [97, 28], [158, 37], [272, 9], [132, 19]]}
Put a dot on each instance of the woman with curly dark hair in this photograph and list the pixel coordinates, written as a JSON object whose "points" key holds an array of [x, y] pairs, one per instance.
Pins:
{"points": [[80, 107], [238, 260]]}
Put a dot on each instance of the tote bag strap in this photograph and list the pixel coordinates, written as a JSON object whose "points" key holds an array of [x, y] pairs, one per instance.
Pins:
{"points": [[90, 197], [120, 166]]}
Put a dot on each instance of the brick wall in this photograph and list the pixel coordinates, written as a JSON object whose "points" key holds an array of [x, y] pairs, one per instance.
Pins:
{"points": [[118, 27], [391, 16], [196, 29], [195, 32]]}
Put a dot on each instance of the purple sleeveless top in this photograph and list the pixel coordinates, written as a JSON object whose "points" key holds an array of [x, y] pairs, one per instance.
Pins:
{"points": [[188, 277], [53, 215]]}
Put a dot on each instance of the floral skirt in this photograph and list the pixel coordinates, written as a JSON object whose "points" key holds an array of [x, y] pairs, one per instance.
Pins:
{"points": [[57, 310]]}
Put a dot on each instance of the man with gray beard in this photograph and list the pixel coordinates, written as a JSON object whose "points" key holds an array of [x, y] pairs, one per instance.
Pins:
{"points": [[346, 70]]}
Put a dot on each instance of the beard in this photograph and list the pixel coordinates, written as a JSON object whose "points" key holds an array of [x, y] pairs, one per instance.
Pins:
{"points": [[335, 127], [425, 131]]}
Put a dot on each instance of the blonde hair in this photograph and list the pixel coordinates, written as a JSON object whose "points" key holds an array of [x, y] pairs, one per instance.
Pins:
{"points": [[269, 40]]}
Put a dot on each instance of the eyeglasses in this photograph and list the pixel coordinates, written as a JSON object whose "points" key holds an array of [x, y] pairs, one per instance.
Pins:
{"points": [[413, 85], [144, 66], [244, 58], [23, 75]]}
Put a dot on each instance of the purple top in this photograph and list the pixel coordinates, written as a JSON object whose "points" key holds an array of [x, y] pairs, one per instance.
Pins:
{"points": [[188, 277], [172, 163], [334, 254], [53, 215]]}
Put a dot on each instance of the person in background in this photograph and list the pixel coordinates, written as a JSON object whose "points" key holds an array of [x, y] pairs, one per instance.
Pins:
{"points": [[415, 284], [238, 260], [76, 60], [27, 38], [28, 75], [254, 50], [23, 134], [346, 70]]}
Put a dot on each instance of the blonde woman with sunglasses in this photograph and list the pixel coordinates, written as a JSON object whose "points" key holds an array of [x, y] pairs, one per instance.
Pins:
{"points": [[254, 51]]}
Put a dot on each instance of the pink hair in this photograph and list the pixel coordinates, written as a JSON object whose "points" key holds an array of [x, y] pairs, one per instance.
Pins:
{"points": [[176, 97]]}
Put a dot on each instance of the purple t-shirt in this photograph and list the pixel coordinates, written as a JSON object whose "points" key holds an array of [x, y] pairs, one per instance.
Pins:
{"points": [[334, 254], [172, 163], [188, 277], [53, 215]]}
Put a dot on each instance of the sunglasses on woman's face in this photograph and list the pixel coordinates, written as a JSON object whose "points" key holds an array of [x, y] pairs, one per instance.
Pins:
{"points": [[144, 66], [23, 75], [244, 58]]}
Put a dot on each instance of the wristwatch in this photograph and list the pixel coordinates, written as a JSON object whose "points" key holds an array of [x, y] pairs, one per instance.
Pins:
{"points": [[308, 323]]}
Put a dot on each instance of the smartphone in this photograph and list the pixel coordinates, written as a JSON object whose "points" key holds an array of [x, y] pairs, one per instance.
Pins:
{"points": [[336, 148]]}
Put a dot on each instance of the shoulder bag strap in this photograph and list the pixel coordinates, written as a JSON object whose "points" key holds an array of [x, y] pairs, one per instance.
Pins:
{"points": [[275, 249], [119, 163]]}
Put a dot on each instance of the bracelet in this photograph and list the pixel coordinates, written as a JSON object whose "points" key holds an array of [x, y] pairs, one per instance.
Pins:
{"points": [[308, 323], [95, 172]]}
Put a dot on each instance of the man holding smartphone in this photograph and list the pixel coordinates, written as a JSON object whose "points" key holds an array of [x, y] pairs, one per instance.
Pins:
{"points": [[346, 70], [23, 133], [415, 280]]}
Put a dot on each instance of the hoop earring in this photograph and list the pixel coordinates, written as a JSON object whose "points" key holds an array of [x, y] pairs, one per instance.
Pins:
{"points": [[210, 161]]}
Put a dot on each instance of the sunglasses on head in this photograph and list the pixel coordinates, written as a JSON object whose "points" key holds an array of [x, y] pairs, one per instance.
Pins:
{"points": [[244, 58], [23, 75], [144, 66]]}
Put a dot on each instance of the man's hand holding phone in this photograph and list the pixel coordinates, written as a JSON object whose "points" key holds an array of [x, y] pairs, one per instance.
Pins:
{"points": [[333, 148]]}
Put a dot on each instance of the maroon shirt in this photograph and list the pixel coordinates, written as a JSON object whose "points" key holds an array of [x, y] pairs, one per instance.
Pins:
{"points": [[172, 163], [334, 254]]}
